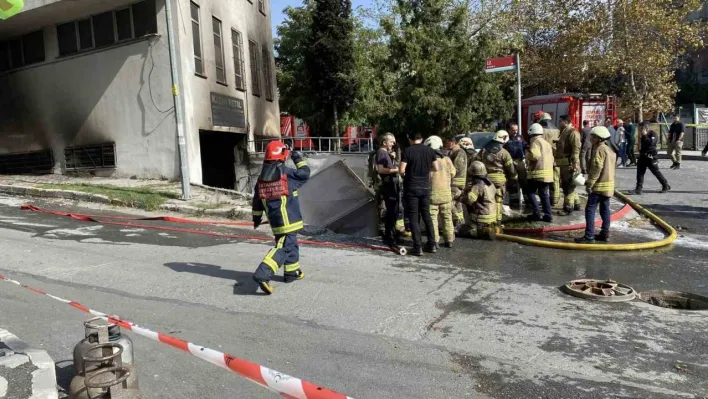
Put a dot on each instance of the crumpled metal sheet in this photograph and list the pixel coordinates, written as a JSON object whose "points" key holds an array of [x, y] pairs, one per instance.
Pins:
{"points": [[337, 199]]}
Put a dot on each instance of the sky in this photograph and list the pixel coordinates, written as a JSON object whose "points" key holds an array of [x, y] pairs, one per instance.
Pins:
{"points": [[277, 7]]}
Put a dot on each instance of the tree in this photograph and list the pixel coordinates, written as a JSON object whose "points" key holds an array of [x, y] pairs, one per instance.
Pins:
{"points": [[330, 61]]}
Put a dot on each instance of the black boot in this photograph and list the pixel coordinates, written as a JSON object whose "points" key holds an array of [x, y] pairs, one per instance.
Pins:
{"points": [[294, 276], [430, 247], [604, 237], [678, 166], [584, 240], [637, 191], [576, 207], [567, 211], [665, 188]]}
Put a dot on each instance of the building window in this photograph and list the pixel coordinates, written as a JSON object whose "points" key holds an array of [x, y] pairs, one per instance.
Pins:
{"points": [[261, 6], [218, 51], [267, 74], [108, 28], [197, 41], [255, 68], [22, 51], [237, 46]]}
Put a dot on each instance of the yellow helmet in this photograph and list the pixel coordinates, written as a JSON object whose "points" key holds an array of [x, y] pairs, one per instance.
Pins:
{"points": [[434, 142], [601, 132], [478, 169], [535, 130], [501, 136]]}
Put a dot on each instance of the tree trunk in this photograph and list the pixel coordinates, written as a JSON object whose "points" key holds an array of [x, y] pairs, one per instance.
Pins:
{"points": [[641, 111]]}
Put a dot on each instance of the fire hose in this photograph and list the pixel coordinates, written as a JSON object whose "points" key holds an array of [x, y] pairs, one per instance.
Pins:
{"points": [[606, 247]]}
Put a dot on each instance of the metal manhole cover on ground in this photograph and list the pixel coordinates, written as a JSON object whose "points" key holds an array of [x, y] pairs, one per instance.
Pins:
{"points": [[675, 300], [600, 290]]}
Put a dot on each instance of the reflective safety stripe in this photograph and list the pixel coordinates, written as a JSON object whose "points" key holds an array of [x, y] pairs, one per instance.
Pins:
{"points": [[459, 181], [284, 210], [539, 174], [486, 219], [288, 228], [608, 186], [300, 164], [257, 213], [473, 197], [400, 224], [292, 267], [441, 195], [509, 162], [497, 178], [295, 193]]}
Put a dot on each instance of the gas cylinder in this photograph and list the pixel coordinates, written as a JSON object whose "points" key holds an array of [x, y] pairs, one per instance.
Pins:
{"points": [[92, 337], [102, 381]]}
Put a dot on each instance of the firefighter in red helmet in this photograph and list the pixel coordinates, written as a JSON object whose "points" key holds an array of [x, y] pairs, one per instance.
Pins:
{"points": [[276, 195]]}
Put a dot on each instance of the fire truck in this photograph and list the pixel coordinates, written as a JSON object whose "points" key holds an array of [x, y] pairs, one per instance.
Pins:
{"points": [[580, 107]]}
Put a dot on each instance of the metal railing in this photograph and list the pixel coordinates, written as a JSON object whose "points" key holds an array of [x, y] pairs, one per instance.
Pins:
{"points": [[338, 145]]}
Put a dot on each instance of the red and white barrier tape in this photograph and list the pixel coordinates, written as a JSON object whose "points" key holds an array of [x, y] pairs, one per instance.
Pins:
{"points": [[283, 384]]}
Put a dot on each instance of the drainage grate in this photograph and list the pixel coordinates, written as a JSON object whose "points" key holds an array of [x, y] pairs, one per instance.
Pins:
{"points": [[27, 163], [100, 156], [675, 300], [599, 290]]}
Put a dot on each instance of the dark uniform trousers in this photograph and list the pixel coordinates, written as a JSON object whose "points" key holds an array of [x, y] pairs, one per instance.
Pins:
{"points": [[653, 165], [286, 253]]}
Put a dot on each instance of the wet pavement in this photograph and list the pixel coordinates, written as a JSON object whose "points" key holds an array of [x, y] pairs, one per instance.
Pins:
{"points": [[484, 319]]}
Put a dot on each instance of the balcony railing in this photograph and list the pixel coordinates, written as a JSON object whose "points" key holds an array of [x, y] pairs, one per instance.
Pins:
{"points": [[337, 145]]}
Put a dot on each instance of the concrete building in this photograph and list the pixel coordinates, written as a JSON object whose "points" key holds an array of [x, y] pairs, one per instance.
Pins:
{"points": [[86, 84]]}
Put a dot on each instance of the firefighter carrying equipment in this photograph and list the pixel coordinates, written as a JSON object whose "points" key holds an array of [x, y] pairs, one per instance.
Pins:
{"points": [[275, 194], [10, 8]]}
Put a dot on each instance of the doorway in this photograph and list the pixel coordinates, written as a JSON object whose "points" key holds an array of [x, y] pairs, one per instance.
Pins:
{"points": [[219, 161]]}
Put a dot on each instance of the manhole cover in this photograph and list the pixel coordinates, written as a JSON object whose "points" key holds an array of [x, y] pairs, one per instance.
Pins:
{"points": [[675, 300], [600, 290]]}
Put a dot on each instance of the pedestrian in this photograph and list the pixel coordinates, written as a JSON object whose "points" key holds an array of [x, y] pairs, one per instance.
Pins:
{"points": [[275, 194], [631, 142], [417, 162], [622, 142], [600, 186], [676, 133], [441, 194], [612, 130], [648, 158], [567, 159], [516, 147], [586, 149], [499, 165], [390, 189], [480, 199], [540, 173], [551, 134], [458, 156]]}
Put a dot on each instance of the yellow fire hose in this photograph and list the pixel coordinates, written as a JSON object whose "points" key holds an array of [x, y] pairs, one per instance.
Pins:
{"points": [[604, 247]]}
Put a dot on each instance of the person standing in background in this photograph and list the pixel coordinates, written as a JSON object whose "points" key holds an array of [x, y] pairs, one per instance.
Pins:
{"points": [[622, 142], [516, 147], [631, 132], [586, 149], [417, 162], [648, 159], [675, 145], [458, 156]]}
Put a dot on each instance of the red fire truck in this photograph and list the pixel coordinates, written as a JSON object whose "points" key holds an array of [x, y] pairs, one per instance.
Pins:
{"points": [[581, 107]]}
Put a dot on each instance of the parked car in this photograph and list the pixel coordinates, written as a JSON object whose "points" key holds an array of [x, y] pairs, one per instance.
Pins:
{"points": [[479, 139]]}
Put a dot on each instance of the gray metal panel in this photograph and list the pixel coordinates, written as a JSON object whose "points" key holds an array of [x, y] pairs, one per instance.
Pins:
{"points": [[331, 194], [361, 222]]}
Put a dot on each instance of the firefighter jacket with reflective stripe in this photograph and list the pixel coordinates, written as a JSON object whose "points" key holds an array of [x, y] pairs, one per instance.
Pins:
{"points": [[500, 166], [480, 198], [540, 160], [551, 134], [458, 156], [284, 213], [568, 149], [601, 173], [440, 181]]}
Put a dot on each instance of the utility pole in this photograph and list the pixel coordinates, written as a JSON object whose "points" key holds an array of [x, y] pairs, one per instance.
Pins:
{"points": [[179, 109]]}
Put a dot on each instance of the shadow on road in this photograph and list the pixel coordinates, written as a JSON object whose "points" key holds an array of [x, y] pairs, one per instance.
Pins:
{"points": [[65, 372], [244, 280]]}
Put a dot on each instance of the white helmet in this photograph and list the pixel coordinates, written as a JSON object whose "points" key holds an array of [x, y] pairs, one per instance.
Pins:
{"points": [[466, 143], [535, 129], [434, 142], [501, 136], [546, 117], [601, 132]]}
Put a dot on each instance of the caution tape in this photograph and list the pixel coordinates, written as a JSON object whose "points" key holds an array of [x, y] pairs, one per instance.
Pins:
{"points": [[283, 384]]}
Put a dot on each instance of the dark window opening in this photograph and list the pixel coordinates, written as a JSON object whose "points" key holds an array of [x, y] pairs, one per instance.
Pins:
{"points": [[145, 18], [196, 40], [124, 27], [16, 53], [103, 30], [237, 46], [4, 56], [255, 68], [66, 35], [33, 47], [218, 52], [85, 35], [267, 74]]}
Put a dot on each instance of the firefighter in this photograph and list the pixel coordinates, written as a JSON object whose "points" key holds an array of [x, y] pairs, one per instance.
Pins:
{"points": [[467, 145], [480, 198], [600, 186], [375, 184], [499, 165], [567, 157], [550, 134], [390, 189], [275, 194], [458, 156], [540, 173], [441, 194]]}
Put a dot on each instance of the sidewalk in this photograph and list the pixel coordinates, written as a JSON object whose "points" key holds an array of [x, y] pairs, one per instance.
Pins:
{"points": [[686, 155], [25, 373], [150, 195]]}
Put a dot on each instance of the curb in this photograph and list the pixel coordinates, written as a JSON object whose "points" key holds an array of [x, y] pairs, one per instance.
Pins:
{"points": [[232, 213], [44, 379], [686, 157]]}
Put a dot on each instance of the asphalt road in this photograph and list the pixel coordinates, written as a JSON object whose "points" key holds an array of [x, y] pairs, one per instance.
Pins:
{"points": [[481, 320]]}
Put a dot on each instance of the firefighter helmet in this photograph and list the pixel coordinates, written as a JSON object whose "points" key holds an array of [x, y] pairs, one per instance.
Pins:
{"points": [[478, 169], [537, 115], [276, 150], [546, 117], [501, 136], [601, 132], [535, 130], [466, 143], [434, 142]]}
